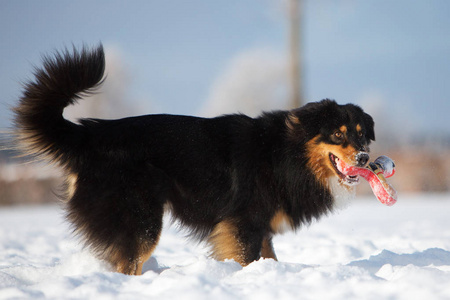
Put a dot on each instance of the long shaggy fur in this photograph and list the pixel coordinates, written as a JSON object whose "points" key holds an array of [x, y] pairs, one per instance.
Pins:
{"points": [[233, 181]]}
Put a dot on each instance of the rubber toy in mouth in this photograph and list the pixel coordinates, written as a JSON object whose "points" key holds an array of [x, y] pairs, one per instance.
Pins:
{"points": [[375, 173]]}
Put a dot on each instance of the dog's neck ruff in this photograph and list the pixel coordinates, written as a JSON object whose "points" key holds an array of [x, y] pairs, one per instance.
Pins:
{"points": [[342, 194]]}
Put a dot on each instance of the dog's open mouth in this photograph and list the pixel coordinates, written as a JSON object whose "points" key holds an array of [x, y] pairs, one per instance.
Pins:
{"points": [[346, 179]]}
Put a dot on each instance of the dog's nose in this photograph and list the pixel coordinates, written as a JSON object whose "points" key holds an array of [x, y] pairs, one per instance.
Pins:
{"points": [[362, 158]]}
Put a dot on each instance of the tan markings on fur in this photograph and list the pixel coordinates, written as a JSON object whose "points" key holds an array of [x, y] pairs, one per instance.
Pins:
{"points": [[292, 120], [141, 261], [358, 128], [71, 185], [30, 143], [132, 266], [319, 160], [124, 265], [267, 249], [121, 263], [225, 244], [343, 129], [281, 222], [145, 256]]}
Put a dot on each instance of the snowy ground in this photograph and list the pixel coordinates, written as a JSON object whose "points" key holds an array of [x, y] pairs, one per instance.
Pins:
{"points": [[368, 251]]}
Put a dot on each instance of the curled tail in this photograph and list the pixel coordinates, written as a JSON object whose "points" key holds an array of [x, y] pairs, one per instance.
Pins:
{"points": [[41, 129]]}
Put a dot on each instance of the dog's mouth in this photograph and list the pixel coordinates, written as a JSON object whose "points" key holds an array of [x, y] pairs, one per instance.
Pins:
{"points": [[345, 179]]}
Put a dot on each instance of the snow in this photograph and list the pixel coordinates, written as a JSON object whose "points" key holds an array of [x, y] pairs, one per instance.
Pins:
{"points": [[367, 251]]}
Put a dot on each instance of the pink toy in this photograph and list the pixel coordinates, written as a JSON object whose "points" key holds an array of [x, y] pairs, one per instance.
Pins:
{"points": [[375, 173]]}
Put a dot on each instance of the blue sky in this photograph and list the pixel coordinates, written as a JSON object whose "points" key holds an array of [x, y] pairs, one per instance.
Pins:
{"points": [[391, 57]]}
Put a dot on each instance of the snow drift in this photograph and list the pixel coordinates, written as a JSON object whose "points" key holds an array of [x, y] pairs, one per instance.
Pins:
{"points": [[367, 251]]}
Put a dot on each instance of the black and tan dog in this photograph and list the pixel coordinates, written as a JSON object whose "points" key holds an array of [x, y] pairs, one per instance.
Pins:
{"points": [[233, 181]]}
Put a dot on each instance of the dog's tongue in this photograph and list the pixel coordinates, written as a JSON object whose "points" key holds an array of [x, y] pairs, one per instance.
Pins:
{"points": [[384, 192]]}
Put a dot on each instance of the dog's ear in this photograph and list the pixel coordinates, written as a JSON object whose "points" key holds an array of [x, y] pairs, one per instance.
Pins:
{"points": [[369, 124], [305, 122]]}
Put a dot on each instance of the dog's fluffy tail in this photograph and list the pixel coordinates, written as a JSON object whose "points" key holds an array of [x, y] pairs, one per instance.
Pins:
{"points": [[41, 129]]}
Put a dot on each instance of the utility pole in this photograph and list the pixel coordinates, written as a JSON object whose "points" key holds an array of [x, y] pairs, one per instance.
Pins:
{"points": [[295, 48]]}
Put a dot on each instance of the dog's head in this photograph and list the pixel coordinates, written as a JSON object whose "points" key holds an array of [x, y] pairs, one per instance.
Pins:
{"points": [[332, 132]]}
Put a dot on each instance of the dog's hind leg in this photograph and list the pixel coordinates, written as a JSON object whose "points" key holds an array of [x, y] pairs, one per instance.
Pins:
{"points": [[131, 240], [120, 217], [142, 225], [146, 253], [132, 264]]}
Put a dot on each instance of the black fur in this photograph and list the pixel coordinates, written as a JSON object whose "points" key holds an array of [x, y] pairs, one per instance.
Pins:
{"points": [[230, 168]]}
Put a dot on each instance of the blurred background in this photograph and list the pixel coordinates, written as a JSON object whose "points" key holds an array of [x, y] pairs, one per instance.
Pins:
{"points": [[207, 58]]}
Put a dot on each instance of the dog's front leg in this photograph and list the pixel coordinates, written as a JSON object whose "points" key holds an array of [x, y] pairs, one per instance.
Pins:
{"points": [[267, 249]]}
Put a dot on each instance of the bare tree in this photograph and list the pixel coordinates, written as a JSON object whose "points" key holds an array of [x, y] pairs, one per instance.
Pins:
{"points": [[295, 47]]}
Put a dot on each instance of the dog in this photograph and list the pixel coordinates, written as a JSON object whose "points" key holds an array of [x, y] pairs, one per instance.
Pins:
{"points": [[232, 181]]}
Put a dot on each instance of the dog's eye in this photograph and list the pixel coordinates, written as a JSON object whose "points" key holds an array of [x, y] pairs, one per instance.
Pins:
{"points": [[360, 134], [337, 137]]}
